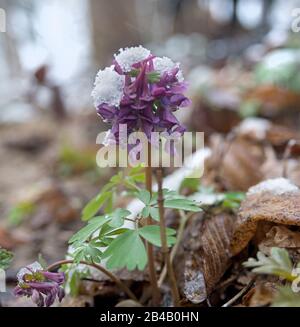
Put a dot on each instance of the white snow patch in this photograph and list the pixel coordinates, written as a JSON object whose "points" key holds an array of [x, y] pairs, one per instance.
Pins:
{"points": [[207, 199], [257, 126], [277, 186], [165, 64], [130, 56], [108, 87]]}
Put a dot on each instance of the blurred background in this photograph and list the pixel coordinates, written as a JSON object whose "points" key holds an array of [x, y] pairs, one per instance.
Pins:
{"points": [[74, 38], [240, 57]]}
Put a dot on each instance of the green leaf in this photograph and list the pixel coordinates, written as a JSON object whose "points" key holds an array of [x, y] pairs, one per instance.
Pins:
{"points": [[136, 170], [146, 212], [137, 174], [232, 200], [169, 194], [117, 231], [278, 263], [94, 205], [144, 196], [73, 278], [86, 232], [182, 204], [126, 250], [154, 213], [5, 258], [87, 252], [286, 298], [235, 196], [118, 217], [152, 234], [190, 183], [109, 203]]}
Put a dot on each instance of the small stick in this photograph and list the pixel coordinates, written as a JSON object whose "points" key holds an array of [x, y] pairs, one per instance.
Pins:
{"points": [[239, 294]]}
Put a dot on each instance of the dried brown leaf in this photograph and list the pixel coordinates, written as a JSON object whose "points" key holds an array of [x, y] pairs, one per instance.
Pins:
{"points": [[237, 163], [203, 256], [279, 209]]}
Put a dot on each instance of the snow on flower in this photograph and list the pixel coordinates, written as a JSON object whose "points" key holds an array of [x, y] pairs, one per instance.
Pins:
{"points": [[108, 87], [276, 186], [130, 56], [165, 65], [144, 100]]}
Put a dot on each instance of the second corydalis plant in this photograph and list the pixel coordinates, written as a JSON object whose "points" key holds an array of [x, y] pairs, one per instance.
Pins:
{"points": [[42, 286]]}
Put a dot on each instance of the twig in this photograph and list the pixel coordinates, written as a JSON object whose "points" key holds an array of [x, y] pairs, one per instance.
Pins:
{"points": [[239, 294], [112, 276], [163, 237]]}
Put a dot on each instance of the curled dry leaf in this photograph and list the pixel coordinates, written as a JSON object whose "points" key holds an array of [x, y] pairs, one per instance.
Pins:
{"points": [[236, 162], [266, 206], [203, 256], [274, 100], [253, 152], [280, 236], [280, 135]]}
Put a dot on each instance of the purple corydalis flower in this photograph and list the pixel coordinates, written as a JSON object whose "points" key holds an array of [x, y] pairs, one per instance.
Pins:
{"points": [[42, 286], [147, 92]]}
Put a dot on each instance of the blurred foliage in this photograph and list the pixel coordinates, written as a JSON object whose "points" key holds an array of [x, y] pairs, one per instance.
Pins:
{"points": [[286, 297], [20, 212], [229, 200], [192, 184], [249, 108], [5, 258], [74, 277], [284, 69], [73, 161], [104, 199], [232, 200]]}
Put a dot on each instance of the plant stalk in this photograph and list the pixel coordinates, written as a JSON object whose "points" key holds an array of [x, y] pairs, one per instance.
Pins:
{"points": [[112, 276], [183, 220], [163, 237], [150, 254]]}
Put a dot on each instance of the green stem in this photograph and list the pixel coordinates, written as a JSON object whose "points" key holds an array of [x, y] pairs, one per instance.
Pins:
{"points": [[184, 218], [163, 237], [150, 254]]}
